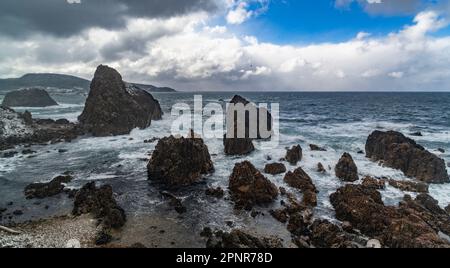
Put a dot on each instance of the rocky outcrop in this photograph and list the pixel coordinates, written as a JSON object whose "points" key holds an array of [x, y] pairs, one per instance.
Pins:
{"points": [[294, 155], [44, 190], [17, 128], [324, 234], [31, 97], [409, 186], [399, 152], [112, 108], [374, 183], [238, 239], [346, 169], [180, 161], [414, 224], [101, 203], [317, 148], [238, 146], [249, 187], [301, 181], [275, 168]]}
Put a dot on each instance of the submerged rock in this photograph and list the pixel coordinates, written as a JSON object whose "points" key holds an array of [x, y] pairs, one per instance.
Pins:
{"points": [[399, 152], [101, 203], [294, 155], [112, 108], [303, 182], [249, 187], [180, 161], [346, 169], [31, 97], [238, 239], [317, 148], [175, 202], [44, 190], [275, 168]]}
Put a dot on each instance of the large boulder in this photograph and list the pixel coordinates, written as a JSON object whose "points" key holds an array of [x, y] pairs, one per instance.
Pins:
{"points": [[399, 152], [249, 187], [294, 155], [101, 203], [346, 169], [180, 161], [112, 108], [275, 168], [414, 224], [238, 146], [31, 97], [303, 182], [43, 190]]}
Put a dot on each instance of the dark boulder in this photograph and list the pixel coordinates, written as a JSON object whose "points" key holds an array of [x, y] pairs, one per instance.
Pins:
{"points": [[32, 97], [317, 148], [275, 168], [303, 182], [249, 187], [101, 203], [180, 161], [112, 108], [215, 192], [321, 168], [238, 146], [44, 190], [346, 169], [238, 239], [399, 152], [294, 155]]}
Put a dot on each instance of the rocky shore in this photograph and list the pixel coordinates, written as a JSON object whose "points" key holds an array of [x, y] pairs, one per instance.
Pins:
{"points": [[185, 164]]}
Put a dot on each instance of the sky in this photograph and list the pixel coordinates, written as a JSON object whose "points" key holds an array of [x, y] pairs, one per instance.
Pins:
{"points": [[234, 45]]}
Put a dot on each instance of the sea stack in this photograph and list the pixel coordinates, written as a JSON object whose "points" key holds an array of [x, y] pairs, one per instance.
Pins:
{"points": [[399, 152], [113, 109], [30, 97]]}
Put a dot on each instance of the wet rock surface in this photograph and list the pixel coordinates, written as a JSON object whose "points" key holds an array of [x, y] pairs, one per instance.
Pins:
{"points": [[44, 190], [414, 224], [399, 152], [303, 182], [180, 162], [238, 146], [275, 168], [112, 108], [238, 239], [346, 169], [374, 183], [249, 187], [409, 186], [294, 155], [101, 203], [215, 192], [31, 97]]}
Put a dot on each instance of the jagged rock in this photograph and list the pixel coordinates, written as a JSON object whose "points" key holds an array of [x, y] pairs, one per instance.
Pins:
{"points": [[280, 215], [447, 209], [180, 161], [238, 239], [238, 146], [112, 108], [346, 169], [399, 152], [321, 168], [301, 181], [324, 234], [294, 155], [314, 147], [215, 192], [101, 203], [297, 224], [249, 187], [409, 186], [44, 190], [373, 183], [275, 168], [414, 224], [31, 97]]}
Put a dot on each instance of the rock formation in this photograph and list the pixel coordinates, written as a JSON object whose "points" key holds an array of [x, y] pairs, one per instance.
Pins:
{"points": [[249, 187], [179, 161], [238, 146], [399, 152], [275, 168], [238, 239], [346, 169], [44, 190], [303, 182], [294, 155], [31, 97], [114, 109]]}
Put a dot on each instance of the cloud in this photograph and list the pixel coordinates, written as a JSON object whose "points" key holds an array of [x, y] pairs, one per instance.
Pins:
{"points": [[385, 7], [188, 53], [20, 18], [242, 10]]}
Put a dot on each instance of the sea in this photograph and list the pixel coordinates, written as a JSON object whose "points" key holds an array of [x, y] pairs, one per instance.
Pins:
{"points": [[339, 122]]}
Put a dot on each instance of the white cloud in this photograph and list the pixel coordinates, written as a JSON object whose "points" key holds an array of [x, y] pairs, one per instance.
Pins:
{"points": [[189, 54], [242, 10]]}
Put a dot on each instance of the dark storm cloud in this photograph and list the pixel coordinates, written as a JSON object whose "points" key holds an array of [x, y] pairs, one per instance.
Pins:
{"points": [[19, 18]]}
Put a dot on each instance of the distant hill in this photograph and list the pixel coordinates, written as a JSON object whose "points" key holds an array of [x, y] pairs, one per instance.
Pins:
{"points": [[60, 81]]}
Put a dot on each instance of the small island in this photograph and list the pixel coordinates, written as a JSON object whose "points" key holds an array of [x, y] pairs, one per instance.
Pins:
{"points": [[30, 97]]}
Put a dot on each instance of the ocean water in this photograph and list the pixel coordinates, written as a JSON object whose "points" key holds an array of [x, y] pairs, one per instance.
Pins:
{"points": [[340, 122]]}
